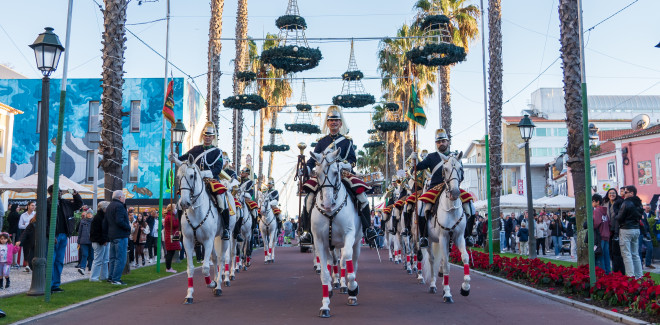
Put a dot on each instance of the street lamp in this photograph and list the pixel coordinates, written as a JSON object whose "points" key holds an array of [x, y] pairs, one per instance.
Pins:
{"points": [[178, 133], [526, 128], [47, 50]]}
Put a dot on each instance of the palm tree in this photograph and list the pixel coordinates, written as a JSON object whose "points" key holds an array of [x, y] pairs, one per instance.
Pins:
{"points": [[213, 75], [570, 56], [463, 28], [114, 38], [495, 106], [239, 64]]}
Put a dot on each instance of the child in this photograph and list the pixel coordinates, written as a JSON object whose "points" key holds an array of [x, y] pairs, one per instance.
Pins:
{"points": [[7, 250], [523, 237], [516, 239]]}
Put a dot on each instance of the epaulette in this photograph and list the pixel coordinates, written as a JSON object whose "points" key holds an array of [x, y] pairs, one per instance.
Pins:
{"points": [[319, 139], [347, 137]]}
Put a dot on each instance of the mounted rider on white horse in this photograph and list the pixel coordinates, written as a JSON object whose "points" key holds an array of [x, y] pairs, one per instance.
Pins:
{"points": [[247, 188], [337, 138], [273, 196]]}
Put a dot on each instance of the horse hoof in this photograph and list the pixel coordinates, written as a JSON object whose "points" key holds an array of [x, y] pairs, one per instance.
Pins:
{"points": [[352, 301], [318, 271], [232, 278], [409, 271], [245, 268], [324, 313], [397, 262], [433, 290], [315, 268], [465, 293], [238, 270], [391, 259], [188, 301], [336, 285], [227, 284], [217, 292], [414, 269], [448, 300], [222, 277], [440, 274], [343, 290], [212, 285]]}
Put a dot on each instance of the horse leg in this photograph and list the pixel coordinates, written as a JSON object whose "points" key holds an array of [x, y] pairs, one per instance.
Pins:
{"points": [[465, 257], [343, 288], [326, 280], [271, 249], [444, 259], [434, 260], [232, 259], [351, 257], [189, 247], [217, 250], [317, 263]]}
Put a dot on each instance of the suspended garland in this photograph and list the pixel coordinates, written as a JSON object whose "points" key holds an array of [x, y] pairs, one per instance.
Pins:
{"points": [[303, 128], [292, 58], [433, 21], [246, 76], [372, 131], [374, 144], [291, 22], [352, 75], [276, 147], [434, 55], [391, 126], [304, 107], [392, 107], [275, 131], [251, 102], [356, 100]]}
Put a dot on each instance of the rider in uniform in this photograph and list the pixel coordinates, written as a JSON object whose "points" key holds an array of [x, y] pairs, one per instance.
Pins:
{"points": [[273, 195], [336, 126], [247, 188], [209, 160]]}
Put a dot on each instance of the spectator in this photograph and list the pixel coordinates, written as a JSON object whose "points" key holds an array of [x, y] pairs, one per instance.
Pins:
{"points": [[12, 226], [645, 238], [508, 229], [172, 232], [539, 232], [131, 243], [116, 225], [139, 231], [151, 239], [288, 229], [613, 204], [602, 228], [523, 238], [27, 241], [7, 250], [570, 233], [628, 218], [556, 231], [85, 243], [25, 218], [64, 228], [100, 246], [515, 240]]}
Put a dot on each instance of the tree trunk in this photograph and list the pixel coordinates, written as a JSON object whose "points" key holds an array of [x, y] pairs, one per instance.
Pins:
{"points": [[261, 150], [114, 38], [240, 64], [273, 125], [495, 107], [213, 75], [570, 56], [445, 110]]}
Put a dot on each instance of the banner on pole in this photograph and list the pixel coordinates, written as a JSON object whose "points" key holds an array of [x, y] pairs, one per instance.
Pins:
{"points": [[168, 108], [415, 111]]}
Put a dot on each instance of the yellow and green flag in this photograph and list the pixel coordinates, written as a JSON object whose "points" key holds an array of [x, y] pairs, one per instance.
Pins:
{"points": [[415, 111]]}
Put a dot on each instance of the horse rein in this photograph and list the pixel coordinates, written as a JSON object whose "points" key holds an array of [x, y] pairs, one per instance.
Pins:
{"points": [[335, 187], [193, 196]]}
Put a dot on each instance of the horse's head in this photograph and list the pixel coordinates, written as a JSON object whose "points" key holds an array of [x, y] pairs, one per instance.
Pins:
{"points": [[452, 171], [329, 176], [190, 183]]}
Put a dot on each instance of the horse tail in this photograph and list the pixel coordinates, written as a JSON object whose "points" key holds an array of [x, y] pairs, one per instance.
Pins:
{"points": [[427, 266]]}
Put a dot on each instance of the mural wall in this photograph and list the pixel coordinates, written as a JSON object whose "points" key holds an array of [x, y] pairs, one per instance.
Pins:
{"points": [[142, 138]]}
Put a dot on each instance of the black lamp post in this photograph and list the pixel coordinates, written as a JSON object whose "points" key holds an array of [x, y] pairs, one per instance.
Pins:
{"points": [[178, 133], [47, 50], [526, 128]]}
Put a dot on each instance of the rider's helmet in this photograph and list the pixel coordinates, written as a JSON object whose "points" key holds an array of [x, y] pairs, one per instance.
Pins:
{"points": [[208, 129], [246, 170], [271, 182], [335, 113], [441, 134]]}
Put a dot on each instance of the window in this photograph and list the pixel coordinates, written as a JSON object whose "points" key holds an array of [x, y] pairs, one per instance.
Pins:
{"points": [[135, 116], [94, 123], [594, 176], [611, 170], [541, 132], [91, 168], [38, 115], [133, 166], [561, 132]]}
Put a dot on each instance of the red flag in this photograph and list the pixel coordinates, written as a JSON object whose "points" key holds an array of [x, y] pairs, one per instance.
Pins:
{"points": [[168, 108]]}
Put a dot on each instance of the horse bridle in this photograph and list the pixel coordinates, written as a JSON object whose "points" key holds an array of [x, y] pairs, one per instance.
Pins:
{"points": [[326, 179], [193, 196], [453, 169]]}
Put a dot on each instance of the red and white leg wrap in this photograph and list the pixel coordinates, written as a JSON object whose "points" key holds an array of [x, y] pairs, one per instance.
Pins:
{"points": [[407, 258], [445, 280], [190, 283], [419, 265], [270, 250], [466, 269], [207, 279], [248, 259], [318, 260], [329, 268], [326, 291], [414, 258], [343, 273], [335, 269], [265, 252], [238, 259], [349, 267], [226, 267]]}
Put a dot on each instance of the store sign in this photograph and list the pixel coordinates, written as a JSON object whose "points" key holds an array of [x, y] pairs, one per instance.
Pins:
{"points": [[521, 188]]}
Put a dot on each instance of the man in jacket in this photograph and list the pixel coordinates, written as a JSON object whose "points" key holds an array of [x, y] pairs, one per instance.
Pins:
{"points": [[628, 218], [118, 229], [151, 240], [508, 229], [64, 228]]}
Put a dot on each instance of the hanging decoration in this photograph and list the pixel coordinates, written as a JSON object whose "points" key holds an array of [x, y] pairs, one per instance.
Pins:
{"points": [[388, 126], [437, 48], [276, 142], [303, 119], [393, 120], [392, 107], [374, 144], [374, 138], [249, 99], [293, 54], [352, 91]]}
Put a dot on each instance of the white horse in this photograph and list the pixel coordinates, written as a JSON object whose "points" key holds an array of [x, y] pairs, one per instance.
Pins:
{"points": [[448, 224], [335, 224], [390, 241], [201, 222], [268, 228], [244, 249]]}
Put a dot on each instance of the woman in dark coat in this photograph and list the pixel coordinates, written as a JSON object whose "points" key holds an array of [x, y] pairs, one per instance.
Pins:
{"points": [[612, 202], [171, 227], [27, 241]]}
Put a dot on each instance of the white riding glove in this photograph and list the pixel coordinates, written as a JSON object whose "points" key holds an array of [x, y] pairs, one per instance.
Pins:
{"points": [[345, 166], [207, 174], [171, 156]]}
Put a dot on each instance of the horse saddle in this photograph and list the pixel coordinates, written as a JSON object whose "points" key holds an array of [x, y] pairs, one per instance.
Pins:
{"points": [[215, 188]]}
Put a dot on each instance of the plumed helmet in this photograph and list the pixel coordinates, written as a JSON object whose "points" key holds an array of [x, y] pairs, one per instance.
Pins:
{"points": [[335, 113], [208, 129], [246, 169], [271, 181], [441, 134], [424, 154]]}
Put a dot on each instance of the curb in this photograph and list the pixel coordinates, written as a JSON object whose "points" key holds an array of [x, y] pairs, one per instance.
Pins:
{"points": [[93, 300], [570, 302]]}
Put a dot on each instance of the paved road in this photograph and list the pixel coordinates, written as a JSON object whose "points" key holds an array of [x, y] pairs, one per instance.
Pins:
{"points": [[289, 292]]}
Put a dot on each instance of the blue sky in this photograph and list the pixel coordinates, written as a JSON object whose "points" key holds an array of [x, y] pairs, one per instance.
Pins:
{"points": [[620, 53]]}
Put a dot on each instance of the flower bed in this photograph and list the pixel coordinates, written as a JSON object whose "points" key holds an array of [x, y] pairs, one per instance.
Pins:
{"points": [[638, 298]]}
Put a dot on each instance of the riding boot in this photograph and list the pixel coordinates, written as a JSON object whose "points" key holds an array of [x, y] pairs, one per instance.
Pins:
{"points": [[421, 224], [305, 223], [225, 224], [395, 224], [407, 221], [365, 218], [237, 230]]}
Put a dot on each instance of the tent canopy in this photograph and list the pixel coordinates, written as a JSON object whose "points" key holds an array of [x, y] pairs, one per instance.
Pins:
{"points": [[29, 184]]}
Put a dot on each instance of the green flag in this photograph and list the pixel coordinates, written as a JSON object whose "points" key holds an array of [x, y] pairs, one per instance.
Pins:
{"points": [[415, 111]]}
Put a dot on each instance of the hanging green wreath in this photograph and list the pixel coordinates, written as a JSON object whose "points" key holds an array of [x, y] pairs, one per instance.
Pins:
{"points": [[352, 75], [292, 58], [291, 22], [374, 144], [433, 22], [304, 107], [275, 131], [303, 128], [392, 126], [251, 102], [392, 107], [372, 131], [276, 147], [313, 144], [357, 100], [434, 55], [246, 76]]}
